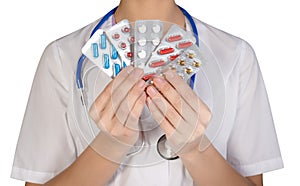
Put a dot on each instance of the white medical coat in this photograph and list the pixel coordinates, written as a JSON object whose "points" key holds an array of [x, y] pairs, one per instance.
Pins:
{"points": [[54, 131]]}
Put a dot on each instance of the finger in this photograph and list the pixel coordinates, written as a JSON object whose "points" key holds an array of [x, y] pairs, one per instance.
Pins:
{"points": [[101, 101], [166, 126], [133, 117], [173, 97], [120, 92], [184, 90], [128, 103]]}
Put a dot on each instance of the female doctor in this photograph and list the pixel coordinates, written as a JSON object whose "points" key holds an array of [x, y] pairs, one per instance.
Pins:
{"points": [[52, 151]]}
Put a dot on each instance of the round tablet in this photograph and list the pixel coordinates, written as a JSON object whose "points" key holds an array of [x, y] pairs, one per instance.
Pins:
{"points": [[142, 41], [156, 28], [142, 54], [142, 29], [155, 41]]}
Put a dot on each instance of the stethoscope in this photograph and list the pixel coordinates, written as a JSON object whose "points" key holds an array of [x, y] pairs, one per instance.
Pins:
{"points": [[162, 146]]}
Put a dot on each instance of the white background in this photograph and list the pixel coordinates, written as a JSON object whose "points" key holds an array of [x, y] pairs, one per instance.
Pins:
{"points": [[270, 26]]}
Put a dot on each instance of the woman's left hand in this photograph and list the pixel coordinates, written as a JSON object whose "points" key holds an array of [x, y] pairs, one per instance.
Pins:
{"points": [[180, 112]]}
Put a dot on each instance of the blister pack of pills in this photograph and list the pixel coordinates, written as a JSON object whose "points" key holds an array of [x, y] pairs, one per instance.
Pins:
{"points": [[99, 50], [145, 46], [121, 38], [147, 35], [175, 41], [187, 64]]}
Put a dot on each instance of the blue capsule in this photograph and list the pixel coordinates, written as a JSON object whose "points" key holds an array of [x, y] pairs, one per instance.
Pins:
{"points": [[95, 50], [114, 52], [106, 61], [103, 41], [117, 69], [124, 64]]}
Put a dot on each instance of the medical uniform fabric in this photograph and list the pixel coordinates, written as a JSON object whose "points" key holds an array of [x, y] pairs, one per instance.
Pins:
{"points": [[53, 135]]}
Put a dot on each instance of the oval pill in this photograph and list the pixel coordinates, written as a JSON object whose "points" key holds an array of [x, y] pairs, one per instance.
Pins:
{"points": [[106, 61], [95, 50], [157, 63], [166, 51], [174, 38], [184, 44]]}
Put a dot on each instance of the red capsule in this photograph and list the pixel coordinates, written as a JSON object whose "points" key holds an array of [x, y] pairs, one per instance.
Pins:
{"points": [[166, 51], [146, 77], [174, 38], [157, 63], [184, 44], [172, 57]]}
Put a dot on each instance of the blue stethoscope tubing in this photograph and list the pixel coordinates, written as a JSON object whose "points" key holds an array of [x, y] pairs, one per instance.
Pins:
{"points": [[105, 18]]}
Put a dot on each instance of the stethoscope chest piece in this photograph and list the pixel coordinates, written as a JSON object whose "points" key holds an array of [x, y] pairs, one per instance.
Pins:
{"points": [[164, 150]]}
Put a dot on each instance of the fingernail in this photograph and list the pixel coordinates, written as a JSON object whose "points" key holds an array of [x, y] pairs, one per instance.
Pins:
{"points": [[138, 72], [151, 91], [159, 80], [141, 83], [169, 74]]}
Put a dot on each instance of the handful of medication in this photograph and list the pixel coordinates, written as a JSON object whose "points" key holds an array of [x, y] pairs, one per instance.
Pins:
{"points": [[150, 44]]}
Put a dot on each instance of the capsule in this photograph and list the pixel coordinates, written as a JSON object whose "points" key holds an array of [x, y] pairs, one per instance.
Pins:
{"points": [[181, 62], [166, 51], [173, 57], [117, 69], [196, 63], [188, 70], [184, 44], [95, 50], [103, 41], [157, 63], [190, 55], [114, 52], [147, 77], [124, 64], [106, 61], [174, 38]]}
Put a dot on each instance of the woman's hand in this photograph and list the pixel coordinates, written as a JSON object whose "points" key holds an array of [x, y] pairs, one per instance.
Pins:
{"points": [[180, 112], [116, 111]]}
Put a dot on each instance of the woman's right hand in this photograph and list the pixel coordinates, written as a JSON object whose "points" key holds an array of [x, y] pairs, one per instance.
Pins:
{"points": [[116, 111]]}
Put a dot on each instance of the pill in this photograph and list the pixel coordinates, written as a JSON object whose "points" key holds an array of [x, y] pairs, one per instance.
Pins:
{"points": [[129, 54], [131, 39], [174, 38], [184, 44], [95, 50], [142, 54], [125, 29], [188, 70], [156, 28], [117, 69], [106, 61], [173, 57], [190, 54], [114, 52], [124, 64], [103, 41], [196, 63], [148, 76], [122, 45], [166, 51], [157, 63], [156, 41], [142, 28], [116, 36], [181, 62], [142, 41]]}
